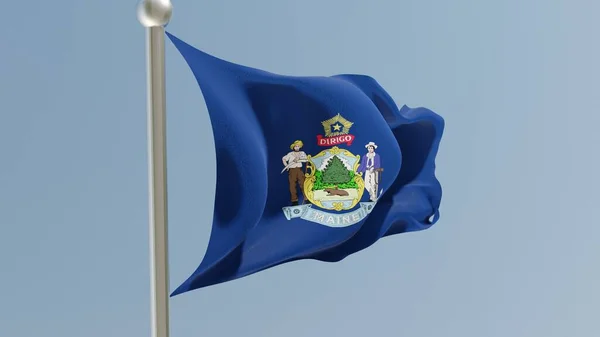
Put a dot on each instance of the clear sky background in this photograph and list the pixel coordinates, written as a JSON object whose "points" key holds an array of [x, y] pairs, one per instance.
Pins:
{"points": [[516, 251]]}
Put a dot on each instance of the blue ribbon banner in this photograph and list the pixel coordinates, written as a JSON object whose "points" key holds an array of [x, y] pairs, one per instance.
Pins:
{"points": [[306, 212]]}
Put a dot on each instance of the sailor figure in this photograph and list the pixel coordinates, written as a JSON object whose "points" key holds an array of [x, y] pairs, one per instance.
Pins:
{"points": [[370, 165]]}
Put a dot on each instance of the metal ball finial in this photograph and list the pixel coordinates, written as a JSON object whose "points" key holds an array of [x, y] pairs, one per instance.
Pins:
{"points": [[154, 13]]}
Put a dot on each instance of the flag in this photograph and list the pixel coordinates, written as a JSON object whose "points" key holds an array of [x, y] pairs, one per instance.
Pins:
{"points": [[308, 167]]}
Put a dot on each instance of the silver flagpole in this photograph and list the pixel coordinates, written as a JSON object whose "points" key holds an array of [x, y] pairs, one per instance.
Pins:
{"points": [[154, 15]]}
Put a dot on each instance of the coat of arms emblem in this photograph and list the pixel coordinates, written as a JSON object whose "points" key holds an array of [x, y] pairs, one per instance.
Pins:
{"points": [[334, 180]]}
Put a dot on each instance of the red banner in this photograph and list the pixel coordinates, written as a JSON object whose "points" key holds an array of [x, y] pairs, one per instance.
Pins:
{"points": [[336, 140]]}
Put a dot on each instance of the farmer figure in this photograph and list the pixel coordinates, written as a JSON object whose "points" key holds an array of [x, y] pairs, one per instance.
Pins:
{"points": [[293, 164]]}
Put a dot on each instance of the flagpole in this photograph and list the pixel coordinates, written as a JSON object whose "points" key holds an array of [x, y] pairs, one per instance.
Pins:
{"points": [[154, 15]]}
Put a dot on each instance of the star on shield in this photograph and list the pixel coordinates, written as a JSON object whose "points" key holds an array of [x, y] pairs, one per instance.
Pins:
{"points": [[337, 125]]}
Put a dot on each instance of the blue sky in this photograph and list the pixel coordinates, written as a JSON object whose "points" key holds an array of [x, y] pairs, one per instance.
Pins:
{"points": [[515, 252]]}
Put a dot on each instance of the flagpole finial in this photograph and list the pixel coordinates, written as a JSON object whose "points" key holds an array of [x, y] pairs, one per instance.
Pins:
{"points": [[154, 13]]}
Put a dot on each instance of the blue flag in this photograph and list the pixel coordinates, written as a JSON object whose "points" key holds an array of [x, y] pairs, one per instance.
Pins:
{"points": [[309, 167]]}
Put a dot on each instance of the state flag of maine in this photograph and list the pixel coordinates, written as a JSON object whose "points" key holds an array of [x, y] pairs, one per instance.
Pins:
{"points": [[315, 167]]}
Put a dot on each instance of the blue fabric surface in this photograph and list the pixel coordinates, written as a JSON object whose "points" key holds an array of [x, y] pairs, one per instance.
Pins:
{"points": [[258, 116]]}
